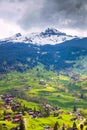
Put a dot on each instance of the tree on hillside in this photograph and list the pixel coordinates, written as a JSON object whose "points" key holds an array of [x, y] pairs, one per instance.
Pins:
{"points": [[22, 125], [34, 109], [56, 126], [81, 126], [82, 95], [45, 111], [63, 127], [74, 108], [74, 126]]}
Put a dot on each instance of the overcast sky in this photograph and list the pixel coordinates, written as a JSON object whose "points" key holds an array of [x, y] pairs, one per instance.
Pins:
{"points": [[24, 16]]}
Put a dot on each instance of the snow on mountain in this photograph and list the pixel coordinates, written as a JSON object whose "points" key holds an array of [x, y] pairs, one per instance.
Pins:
{"points": [[49, 36]]}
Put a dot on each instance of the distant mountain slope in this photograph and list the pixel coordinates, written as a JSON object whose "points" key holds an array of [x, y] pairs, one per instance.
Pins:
{"points": [[49, 36], [66, 56]]}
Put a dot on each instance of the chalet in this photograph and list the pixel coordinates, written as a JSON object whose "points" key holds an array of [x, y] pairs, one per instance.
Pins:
{"points": [[31, 113], [27, 87], [80, 118], [8, 107], [29, 109], [19, 113], [54, 108], [73, 119], [56, 114], [42, 82], [46, 128], [16, 107], [70, 113], [35, 116], [7, 98], [77, 100], [17, 118], [7, 117], [59, 117], [48, 105], [60, 112], [70, 128], [4, 126]]}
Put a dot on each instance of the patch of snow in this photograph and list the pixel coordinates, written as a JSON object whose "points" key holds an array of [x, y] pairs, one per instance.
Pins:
{"points": [[49, 36]]}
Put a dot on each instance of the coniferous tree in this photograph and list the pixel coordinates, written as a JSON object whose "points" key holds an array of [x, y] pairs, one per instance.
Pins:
{"points": [[74, 126], [23, 111], [47, 111], [82, 95], [63, 127], [22, 125], [75, 108], [81, 127], [34, 109], [56, 126]]}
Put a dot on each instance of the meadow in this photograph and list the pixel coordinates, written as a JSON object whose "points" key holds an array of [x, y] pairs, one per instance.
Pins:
{"points": [[37, 86]]}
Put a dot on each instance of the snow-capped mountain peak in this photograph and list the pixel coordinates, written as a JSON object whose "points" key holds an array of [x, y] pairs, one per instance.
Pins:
{"points": [[49, 36], [18, 34], [52, 31]]}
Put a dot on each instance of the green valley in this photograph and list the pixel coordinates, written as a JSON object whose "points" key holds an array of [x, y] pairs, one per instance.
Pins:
{"points": [[44, 98]]}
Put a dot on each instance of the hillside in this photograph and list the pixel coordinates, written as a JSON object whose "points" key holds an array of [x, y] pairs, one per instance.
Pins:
{"points": [[50, 36], [42, 98], [43, 86], [68, 55]]}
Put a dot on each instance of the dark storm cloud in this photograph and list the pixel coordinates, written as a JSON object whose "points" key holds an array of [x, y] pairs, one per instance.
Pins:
{"points": [[63, 13], [66, 12], [41, 13]]}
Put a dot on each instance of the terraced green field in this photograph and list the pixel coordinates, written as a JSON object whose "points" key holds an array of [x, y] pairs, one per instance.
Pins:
{"points": [[40, 86]]}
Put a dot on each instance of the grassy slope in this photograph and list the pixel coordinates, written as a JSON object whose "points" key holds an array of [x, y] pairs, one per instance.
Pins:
{"points": [[57, 89]]}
